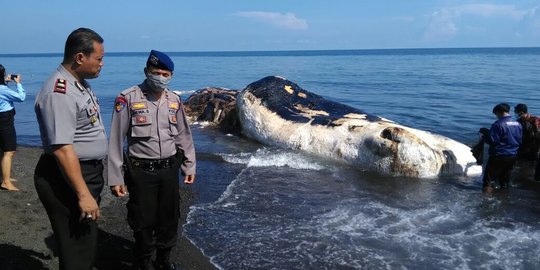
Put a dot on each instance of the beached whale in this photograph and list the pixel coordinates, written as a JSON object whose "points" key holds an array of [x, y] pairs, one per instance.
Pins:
{"points": [[276, 111]]}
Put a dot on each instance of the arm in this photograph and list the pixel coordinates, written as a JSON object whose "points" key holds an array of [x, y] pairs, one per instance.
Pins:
{"points": [[119, 128], [493, 137], [184, 140], [58, 115], [20, 89], [69, 164], [17, 96]]}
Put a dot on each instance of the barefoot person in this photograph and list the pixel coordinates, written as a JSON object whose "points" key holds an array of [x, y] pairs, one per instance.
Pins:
{"points": [[8, 137], [69, 175]]}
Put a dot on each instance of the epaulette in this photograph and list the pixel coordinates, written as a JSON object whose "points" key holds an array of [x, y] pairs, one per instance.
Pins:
{"points": [[60, 86], [173, 95], [129, 90]]}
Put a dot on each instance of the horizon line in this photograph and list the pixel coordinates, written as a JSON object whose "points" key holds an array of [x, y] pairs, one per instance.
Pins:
{"points": [[278, 51]]}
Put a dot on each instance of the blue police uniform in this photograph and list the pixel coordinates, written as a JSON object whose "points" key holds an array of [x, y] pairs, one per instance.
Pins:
{"points": [[504, 140]]}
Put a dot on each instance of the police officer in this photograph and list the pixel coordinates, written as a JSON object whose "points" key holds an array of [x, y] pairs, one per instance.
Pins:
{"points": [[69, 175], [159, 143], [504, 139]]}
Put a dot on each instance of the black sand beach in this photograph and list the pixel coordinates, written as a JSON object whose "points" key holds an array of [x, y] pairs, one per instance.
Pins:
{"points": [[26, 240]]}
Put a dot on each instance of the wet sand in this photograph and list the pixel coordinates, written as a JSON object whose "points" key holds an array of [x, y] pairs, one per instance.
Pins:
{"points": [[26, 240]]}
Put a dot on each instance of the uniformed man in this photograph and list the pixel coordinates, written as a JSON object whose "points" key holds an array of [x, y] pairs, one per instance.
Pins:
{"points": [[503, 138], [159, 142], [69, 175]]}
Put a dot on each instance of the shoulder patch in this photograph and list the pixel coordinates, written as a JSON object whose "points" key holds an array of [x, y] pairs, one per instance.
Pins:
{"points": [[120, 103], [60, 86]]}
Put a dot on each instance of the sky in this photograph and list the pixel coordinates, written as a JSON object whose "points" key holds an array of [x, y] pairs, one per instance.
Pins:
{"points": [[39, 26]]}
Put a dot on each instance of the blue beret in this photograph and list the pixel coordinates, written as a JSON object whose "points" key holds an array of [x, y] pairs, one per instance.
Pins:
{"points": [[160, 60]]}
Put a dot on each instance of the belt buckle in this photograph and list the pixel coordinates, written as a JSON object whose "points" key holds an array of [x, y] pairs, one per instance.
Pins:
{"points": [[151, 167]]}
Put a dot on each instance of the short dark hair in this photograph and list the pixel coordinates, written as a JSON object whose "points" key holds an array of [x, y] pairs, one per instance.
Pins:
{"points": [[81, 41], [520, 108], [501, 108], [2, 75]]}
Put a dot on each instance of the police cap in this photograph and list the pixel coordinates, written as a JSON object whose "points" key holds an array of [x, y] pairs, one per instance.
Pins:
{"points": [[160, 60]]}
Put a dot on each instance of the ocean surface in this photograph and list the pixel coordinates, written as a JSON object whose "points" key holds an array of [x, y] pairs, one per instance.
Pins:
{"points": [[262, 207]]}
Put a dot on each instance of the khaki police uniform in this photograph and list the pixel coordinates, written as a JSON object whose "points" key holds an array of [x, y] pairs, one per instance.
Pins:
{"points": [[68, 112], [155, 131]]}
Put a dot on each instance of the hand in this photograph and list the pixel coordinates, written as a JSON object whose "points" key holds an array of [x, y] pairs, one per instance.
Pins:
{"points": [[484, 132], [89, 208], [189, 179], [119, 190], [18, 78]]}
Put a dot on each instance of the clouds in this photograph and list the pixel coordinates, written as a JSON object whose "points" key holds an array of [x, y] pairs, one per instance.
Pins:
{"points": [[447, 23], [281, 20]]}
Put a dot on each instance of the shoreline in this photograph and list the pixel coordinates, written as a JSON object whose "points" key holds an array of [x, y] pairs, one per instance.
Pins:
{"points": [[26, 240]]}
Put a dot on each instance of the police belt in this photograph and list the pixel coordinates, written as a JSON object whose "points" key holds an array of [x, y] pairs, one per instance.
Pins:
{"points": [[93, 162], [151, 164]]}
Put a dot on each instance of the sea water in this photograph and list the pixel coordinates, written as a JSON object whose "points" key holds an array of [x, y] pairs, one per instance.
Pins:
{"points": [[268, 208]]}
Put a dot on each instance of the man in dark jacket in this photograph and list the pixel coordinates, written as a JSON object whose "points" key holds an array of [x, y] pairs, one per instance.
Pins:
{"points": [[504, 138], [530, 124]]}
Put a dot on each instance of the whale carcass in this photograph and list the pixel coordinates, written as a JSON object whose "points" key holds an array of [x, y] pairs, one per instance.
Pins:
{"points": [[276, 111]]}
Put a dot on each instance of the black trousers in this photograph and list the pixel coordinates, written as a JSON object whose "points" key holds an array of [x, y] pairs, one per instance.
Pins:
{"points": [[153, 208], [537, 171], [498, 171], [77, 242]]}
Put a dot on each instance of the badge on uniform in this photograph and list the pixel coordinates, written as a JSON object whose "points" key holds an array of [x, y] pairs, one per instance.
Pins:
{"points": [[140, 119], [174, 105], [60, 86], [172, 118], [119, 104], [139, 105]]}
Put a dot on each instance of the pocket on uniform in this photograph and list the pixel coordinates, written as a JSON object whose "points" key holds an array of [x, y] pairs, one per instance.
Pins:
{"points": [[172, 124], [141, 126]]}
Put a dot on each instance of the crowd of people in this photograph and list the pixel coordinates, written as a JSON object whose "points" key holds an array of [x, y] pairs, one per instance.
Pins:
{"points": [[150, 120]]}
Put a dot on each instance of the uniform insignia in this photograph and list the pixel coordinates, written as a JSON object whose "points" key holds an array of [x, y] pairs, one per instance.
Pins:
{"points": [[138, 105], [173, 119], [119, 104], [154, 60], [140, 119], [174, 105], [79, 86], [60, 86]]}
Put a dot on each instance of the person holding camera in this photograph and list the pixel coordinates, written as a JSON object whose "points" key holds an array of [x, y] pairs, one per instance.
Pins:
{"points": [[8, 136]]}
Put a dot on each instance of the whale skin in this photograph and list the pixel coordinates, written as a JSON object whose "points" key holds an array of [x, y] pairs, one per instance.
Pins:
{"points": [[278, 112]]}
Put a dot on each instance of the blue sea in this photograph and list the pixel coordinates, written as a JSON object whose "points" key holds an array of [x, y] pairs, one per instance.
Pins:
{"points": [[261, 207]]}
